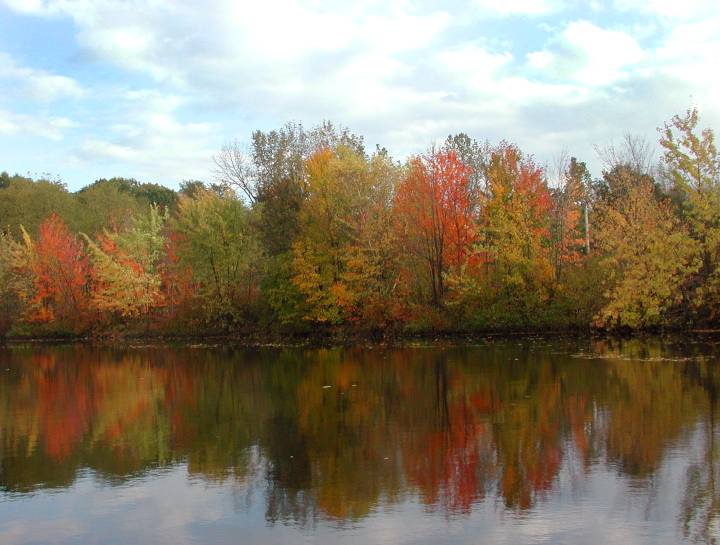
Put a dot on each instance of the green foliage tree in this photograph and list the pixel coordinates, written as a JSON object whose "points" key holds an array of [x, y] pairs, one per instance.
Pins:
{"points": [[476, 156], [27, 202], [692, 164], [105, 205], [148, 193], [11, 308], [219, 244], [190, 188]]}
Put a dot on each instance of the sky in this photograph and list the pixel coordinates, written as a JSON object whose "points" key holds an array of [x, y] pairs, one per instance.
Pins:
{"points": [[152, 89]]}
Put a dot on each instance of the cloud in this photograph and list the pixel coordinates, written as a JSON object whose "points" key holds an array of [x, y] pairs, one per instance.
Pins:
{"points": [[588, 54], [165, 40], [49, 127], [30, 7], [689, 54], [521, 7], [399, 72], [36, 84], [689, 9], [151, 140], [7, 124]]}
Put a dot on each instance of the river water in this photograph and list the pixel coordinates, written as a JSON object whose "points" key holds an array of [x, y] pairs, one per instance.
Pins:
{"points": [[513, 441]]}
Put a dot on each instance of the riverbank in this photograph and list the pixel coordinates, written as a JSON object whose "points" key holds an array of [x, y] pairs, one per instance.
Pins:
{"points": [[338, 338]]}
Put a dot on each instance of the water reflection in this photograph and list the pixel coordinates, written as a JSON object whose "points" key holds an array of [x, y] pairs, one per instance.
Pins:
{"points": [[340, 435]]}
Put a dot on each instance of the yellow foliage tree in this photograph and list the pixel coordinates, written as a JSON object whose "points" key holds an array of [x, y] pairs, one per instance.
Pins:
{"points": [[645, 254], [341, 258], [127, 265]]}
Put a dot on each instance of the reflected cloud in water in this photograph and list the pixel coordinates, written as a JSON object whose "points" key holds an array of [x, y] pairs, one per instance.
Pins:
{"points": [[512, 441]]}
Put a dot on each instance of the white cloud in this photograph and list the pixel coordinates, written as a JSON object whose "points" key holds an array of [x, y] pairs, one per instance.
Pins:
{"points": [[521, 7], [37, 84], [396, 71], [472, 60], [589, 55], [689, 55], [31, 7], [7, 124], [151, 140], [688, 9], [49, 127], [192, 43]]}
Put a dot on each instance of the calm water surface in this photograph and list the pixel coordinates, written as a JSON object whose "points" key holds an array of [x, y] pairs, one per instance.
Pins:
{"points": [[532, 441]]}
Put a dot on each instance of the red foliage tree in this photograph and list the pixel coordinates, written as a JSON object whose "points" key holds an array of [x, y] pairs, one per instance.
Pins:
{"points": [[436, 211], [60, 269], [516, 219], [178, 288]]}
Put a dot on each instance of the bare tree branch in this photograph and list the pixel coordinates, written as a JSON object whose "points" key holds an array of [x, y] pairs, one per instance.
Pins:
{"points": [[634, 151], [234, 168]]}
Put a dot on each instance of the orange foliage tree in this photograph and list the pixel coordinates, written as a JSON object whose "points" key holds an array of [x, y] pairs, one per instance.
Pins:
{"points": [[436, 215], [343, 258], [177, 283], [568, 232], [127, 267], [508, 275], [59, 269]]}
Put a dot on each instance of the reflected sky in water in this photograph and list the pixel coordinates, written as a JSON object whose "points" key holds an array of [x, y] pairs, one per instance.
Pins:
{"points": [[532, 441]]}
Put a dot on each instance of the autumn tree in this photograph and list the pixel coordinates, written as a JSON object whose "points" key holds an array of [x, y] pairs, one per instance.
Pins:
{"points": [[692, 164], [341, 259], [10, 282], [304, 227], [179, 290], [218, 243], [373, 267], [436, 215], [568, 231], [126, 274], [59, 270], [645, 255], [28, 202], [271, 172], [507, 280]]}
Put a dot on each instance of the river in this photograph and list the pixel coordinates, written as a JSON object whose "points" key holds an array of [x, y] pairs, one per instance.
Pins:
{"points": [[575, 441]]}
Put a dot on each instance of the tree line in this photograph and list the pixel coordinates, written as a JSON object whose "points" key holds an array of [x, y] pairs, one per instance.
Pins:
{"points": [[305, 230]]}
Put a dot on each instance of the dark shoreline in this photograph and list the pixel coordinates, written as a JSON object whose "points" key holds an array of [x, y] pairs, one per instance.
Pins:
{"points": [[336, 339]]}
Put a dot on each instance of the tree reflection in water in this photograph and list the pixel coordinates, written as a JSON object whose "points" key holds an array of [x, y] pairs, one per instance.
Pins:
{"points": [[338, 434]]}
